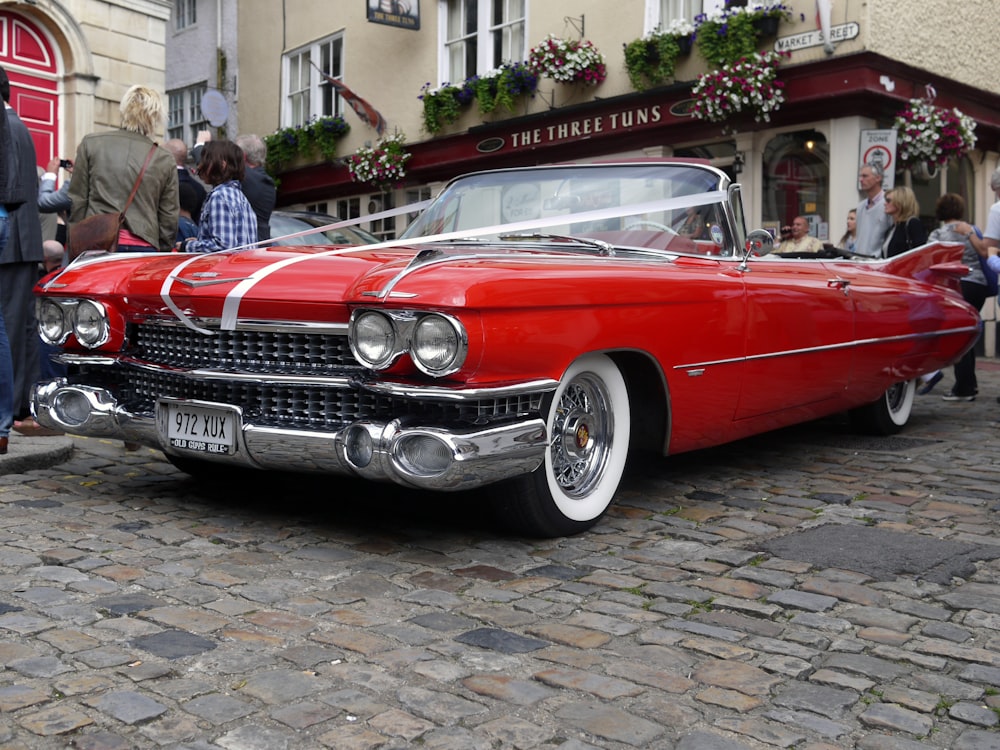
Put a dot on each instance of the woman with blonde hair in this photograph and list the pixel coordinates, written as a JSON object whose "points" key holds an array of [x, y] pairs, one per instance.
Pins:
{"points": [[907, 230], [107, 165]]}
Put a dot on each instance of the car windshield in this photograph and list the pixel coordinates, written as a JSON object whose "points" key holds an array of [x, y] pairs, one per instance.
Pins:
{"points": [[674, 207], [283, 224]]}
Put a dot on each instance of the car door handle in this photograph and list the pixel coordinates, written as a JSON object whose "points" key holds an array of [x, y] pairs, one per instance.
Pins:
{"points": [[838, 284]]}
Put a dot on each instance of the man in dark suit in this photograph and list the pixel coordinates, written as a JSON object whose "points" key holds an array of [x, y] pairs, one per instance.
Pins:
{"points": [[257, 184], [19, 260], [179, 149], [9, 199]]}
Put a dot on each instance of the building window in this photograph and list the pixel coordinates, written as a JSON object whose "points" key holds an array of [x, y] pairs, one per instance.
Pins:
{"points": [[480, 35], [662, 12], [184, 115], [348, 208], [307, 93], [185, 13], [384, 229]]}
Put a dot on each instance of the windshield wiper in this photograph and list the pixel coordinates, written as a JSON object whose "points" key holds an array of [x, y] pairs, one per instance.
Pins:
{"points": [[605, 248]]}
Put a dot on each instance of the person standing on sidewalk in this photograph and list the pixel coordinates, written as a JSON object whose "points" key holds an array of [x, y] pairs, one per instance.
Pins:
{"points": [[9, 197], [19, 259], [950, 211], [872, 221], [990, 237]]}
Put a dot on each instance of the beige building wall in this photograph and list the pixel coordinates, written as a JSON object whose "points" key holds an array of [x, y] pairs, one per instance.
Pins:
{"points": [[103, 46], [954, 39]]}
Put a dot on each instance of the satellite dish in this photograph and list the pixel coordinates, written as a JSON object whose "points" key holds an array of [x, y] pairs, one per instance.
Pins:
{"points": [[215, 107]]}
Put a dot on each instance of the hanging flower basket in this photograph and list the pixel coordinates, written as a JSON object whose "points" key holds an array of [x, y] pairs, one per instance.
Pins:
{"points": [[930, 135], [726, 34], [651, 60], [502, 86], [568, 61], [383, 165], [766, 26], [748, 85]]}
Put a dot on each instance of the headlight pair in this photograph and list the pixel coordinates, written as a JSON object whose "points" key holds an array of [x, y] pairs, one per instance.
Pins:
{"points": [[85, 319], [437, 343]]}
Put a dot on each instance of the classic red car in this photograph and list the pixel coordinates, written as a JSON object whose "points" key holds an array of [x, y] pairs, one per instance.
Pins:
{"points": [[529, 330]]}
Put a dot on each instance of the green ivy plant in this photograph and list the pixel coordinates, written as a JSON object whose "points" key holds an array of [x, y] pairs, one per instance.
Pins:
{"points": [[318, 137], [724, 40], [443, 105], [502, 87], [727, 35], [650, 61], [498, 88]]}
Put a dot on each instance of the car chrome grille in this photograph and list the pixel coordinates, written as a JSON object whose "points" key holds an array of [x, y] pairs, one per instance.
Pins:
{"points": [[245, 369], [253, 351], [312, 407]]}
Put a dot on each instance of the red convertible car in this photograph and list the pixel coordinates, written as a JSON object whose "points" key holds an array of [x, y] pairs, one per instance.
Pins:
{"points": [[530, 329]]}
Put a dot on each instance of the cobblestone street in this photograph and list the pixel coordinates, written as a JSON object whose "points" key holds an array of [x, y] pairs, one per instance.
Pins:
{"points": [[808, 588]]}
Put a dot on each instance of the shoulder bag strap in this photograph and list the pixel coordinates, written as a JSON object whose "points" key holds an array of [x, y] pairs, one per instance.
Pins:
{"points": [[135, 187]]}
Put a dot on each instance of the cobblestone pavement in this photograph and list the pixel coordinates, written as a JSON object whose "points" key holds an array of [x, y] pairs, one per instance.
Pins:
{"points": [[803, 589]]}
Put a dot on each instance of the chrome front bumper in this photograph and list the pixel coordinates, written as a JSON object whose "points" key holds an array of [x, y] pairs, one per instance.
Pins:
{"points": [[413, 455]]}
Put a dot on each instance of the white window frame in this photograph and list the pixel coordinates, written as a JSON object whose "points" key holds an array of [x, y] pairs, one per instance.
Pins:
{"points": [[307, 95], [185, 13], [659, 13], [484, 37], [184, 115]]}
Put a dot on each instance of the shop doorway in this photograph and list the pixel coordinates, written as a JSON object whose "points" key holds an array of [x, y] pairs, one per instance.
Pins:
{"points": [[32, 64], [796, 182]]}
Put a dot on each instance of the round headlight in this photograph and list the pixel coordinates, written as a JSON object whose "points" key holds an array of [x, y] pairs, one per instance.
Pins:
{"points": [[91, 324], [438, 346], [51, 322], [373, 340]]}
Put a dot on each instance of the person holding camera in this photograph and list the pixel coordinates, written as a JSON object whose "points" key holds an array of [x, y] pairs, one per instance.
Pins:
{"points": [[800, 241]]}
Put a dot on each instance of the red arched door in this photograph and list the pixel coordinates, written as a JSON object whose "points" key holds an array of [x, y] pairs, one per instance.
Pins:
{"points": [[30, 61]]}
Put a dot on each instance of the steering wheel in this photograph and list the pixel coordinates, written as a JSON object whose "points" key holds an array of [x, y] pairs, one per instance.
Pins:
{"points": [[644, 223]]}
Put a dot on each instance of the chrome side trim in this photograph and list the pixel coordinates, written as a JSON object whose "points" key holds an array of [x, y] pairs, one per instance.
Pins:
{"points": [[825, 348]]}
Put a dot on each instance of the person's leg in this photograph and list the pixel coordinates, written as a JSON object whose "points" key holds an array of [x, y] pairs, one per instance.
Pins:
{"points": [[6, 370], [18, 282], [966, 384]]}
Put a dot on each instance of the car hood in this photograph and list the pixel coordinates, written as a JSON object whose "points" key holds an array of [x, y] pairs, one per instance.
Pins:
{"points": [[263, 281], [302, 283]]}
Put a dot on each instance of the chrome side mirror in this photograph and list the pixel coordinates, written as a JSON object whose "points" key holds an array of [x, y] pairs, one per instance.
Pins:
{"points": [[759, 242]]}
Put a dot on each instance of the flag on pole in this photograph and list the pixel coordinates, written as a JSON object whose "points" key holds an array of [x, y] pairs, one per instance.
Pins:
{"points": [[368, 114]]}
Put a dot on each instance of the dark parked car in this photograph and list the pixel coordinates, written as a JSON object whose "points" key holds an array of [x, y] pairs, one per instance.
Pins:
{"points": [[284, 223]]}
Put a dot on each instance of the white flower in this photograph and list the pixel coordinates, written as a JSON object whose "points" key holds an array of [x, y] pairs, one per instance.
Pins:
{"points": [[679, 27]]}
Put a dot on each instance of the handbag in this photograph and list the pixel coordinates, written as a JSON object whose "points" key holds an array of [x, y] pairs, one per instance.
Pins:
{"points": [[100, 231]]}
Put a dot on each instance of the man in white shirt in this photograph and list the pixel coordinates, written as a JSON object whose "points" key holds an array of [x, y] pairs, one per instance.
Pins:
{"points": [[800, 241], [872, 221], [991, 235]]}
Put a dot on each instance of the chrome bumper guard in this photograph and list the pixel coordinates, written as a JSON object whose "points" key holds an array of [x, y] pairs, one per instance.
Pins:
{"points": [[412, 455]]}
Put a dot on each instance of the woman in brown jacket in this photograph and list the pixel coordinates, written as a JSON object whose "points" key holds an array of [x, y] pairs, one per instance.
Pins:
{"points": [[106, 167]]}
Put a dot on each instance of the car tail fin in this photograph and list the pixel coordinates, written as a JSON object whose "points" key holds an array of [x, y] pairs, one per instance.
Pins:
{"points": [[937, 263]]}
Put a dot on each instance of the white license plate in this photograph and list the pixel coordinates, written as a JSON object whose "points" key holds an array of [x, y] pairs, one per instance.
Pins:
{"points": [[203, 429]]}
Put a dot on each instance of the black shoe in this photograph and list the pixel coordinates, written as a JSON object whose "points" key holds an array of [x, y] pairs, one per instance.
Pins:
{"points": [[928, 385], [952, 396]]}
